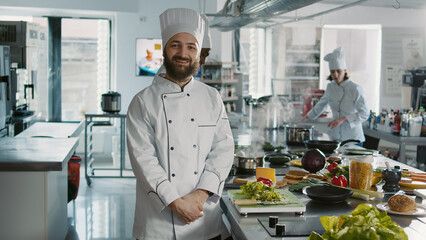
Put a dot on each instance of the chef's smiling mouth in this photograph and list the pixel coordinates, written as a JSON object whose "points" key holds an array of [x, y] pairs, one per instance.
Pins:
{"points": [[181, 60]]}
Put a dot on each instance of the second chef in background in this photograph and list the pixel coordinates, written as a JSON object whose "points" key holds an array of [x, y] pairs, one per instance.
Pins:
{"points": [[346, 100]]}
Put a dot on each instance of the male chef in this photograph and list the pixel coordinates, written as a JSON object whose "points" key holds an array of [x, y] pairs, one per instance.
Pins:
{"points": [[180, 142]]}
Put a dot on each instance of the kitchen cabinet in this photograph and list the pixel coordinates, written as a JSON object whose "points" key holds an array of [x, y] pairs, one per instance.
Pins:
{"points": [[33, 183], [221, 75]]}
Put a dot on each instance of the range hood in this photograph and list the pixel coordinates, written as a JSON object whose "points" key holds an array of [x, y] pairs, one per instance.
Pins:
{"points": [[243, 12]]}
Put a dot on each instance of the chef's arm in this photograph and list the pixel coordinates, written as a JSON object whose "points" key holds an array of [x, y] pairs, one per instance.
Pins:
{"points": [[220, 159], [319, 108], [143, 157], [362, 112]]}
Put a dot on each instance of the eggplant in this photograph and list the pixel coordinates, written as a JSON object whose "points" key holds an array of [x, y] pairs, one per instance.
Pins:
{"points": [[313, 160]]}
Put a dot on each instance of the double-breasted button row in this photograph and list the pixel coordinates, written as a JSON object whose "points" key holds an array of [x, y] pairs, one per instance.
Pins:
{"points": [[192, 120]]}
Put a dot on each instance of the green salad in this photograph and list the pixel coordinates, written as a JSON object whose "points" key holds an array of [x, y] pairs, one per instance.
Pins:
{"points": [[365, 222], [260, 191]]}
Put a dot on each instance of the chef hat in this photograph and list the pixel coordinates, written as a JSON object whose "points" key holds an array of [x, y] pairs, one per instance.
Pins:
{"points": [[336, 59], [207, 38], [178, 20]]}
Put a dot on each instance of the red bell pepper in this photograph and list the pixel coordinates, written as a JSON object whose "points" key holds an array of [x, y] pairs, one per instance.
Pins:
{"points": [[266, 181], [340, 181]]}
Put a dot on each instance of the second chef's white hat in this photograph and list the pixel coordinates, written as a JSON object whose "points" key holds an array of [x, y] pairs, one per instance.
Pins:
{"points": [[178, 20], [336, 59], [206, 38]]}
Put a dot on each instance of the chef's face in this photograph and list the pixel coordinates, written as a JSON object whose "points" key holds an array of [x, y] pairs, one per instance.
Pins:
{"points": [[338, 75], [180, 57]]}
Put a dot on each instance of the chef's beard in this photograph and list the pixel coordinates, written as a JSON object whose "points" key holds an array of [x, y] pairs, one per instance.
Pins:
{"points": [[177, 73]]}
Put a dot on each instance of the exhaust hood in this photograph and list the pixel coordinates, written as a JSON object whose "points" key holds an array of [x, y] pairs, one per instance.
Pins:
{"points": [[243, 12]]}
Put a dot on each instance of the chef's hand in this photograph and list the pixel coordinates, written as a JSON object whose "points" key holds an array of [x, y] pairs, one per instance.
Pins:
{"points": [[305, 118], [188, 211], [336, 122]]}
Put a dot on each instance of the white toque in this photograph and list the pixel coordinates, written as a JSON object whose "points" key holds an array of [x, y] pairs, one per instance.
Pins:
{"points": [[178, 20], [336, 59]]}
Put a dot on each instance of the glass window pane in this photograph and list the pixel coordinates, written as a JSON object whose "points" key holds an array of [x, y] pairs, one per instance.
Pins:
{"points": [[85, 66]]}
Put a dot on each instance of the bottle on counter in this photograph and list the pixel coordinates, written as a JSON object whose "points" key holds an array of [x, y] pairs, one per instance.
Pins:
{"points": [[397, 124], [404, 125], [423, 133], [369, 119], [391, 121]]}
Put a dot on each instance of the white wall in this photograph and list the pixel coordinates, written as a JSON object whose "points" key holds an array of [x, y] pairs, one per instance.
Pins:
{"points": [[132, 19]]}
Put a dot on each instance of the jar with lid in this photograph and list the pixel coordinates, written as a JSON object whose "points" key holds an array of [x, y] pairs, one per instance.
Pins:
{"points": [[361, 172]]}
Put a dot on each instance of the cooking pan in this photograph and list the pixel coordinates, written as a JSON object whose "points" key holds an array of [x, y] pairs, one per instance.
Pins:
{"points": [[327, 146]]}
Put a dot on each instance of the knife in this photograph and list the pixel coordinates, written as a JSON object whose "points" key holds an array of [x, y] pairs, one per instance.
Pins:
{"points": [[245, 202]]}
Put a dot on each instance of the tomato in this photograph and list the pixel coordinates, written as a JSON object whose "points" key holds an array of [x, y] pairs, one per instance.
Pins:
{"points": [[266, 181], [340, 181], [331, 167]]}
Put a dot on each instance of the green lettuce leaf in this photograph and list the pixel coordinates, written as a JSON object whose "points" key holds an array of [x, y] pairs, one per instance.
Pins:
{"points": [[365, 222]]}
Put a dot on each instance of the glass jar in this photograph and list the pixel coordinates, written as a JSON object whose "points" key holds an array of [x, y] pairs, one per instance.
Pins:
{"points": [[361, 172]]}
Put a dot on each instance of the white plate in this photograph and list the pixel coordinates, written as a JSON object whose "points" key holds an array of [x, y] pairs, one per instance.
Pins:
{"points": [[421, 210]]}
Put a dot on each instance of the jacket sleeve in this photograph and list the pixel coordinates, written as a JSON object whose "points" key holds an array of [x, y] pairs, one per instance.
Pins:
{"points": [[221, 157], [320, 107], [360, 105], [143, 156]]}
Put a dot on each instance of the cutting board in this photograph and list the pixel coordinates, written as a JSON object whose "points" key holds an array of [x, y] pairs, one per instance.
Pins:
{"points": [[295, 206]]}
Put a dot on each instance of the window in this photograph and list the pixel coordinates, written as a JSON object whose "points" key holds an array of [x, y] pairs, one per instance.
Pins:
{"points": [[85, 66]]}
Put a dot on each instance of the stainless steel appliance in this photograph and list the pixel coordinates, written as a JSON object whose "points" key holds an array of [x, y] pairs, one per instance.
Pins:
{"points": [[28, 61], [296, 134], [415, 78], [111, 102], [5, 92]]}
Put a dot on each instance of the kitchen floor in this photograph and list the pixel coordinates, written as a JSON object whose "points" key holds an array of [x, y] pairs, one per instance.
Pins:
{"points": [[103, 211]]}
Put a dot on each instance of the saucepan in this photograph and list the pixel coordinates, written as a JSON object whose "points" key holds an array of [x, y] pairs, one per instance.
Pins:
{"points": [[249, 163], [327, 147]]}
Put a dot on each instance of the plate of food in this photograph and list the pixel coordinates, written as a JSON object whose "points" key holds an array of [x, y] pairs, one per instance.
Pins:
{"points": [[402, 204], [420, 210], [296, 162]]}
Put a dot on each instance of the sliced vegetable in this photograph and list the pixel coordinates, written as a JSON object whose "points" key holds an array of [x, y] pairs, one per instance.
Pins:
{"points": [[266, 181], [340, 181], [260, 191]]}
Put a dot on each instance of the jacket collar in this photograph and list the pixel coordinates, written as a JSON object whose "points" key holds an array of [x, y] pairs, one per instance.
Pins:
{"points": [[170, 86]]}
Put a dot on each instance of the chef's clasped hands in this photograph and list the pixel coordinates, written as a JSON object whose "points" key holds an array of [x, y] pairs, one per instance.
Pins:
{"points": [[190, 207]]}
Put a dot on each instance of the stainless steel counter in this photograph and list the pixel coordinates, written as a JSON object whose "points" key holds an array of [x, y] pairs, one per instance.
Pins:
{"points": [[36, 154], [248, 226], [53, 130], [401, 141]]}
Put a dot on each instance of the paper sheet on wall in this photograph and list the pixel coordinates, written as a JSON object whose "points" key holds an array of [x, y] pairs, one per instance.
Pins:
{"points": [[412, 49], [394, 79]]}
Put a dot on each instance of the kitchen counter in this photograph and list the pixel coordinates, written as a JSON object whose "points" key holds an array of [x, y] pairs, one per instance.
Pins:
{"points": [[36, 154], [34, 181], [401, 141], [53, 130], [248, 226]]}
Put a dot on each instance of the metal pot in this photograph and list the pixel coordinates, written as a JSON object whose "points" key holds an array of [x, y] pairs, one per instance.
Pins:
{"points": [[296, 134], [111, 102], [249, 163], [327, 146]]}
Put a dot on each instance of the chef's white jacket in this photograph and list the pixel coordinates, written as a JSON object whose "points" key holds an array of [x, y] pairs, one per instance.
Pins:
{"points": [[346, 99], [178, 141]]}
